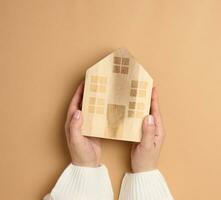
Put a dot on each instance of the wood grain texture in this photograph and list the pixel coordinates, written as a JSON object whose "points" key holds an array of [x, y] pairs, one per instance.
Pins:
{"points": [[47, 46], [111, 86]]}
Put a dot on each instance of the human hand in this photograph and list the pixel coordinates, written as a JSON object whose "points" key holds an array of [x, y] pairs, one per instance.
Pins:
{"points": [[145, 155], [84, 151]]}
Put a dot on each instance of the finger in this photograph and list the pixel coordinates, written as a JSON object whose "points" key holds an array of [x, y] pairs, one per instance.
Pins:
{"points": [[155, 108], [75, 127], [149, 130], [155, 111], [76, 101]]}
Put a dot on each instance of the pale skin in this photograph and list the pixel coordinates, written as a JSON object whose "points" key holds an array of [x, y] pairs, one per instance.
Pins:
{"points": [[86, 151]]}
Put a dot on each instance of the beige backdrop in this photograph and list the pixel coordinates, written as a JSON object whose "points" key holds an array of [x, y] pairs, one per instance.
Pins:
{"points": [[45, 48]]}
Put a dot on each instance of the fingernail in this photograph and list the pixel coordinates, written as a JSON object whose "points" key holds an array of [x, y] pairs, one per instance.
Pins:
{"points": [[150, 120], [77, 114]]}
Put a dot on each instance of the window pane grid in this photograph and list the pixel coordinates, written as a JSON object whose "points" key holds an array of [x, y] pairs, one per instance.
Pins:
{"points": [[96, 105], [138, 88], [121, 65], [98, 84], [136, 109]]}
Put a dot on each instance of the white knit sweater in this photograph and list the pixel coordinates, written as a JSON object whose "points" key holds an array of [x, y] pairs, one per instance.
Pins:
{"points": [[85, 183]]}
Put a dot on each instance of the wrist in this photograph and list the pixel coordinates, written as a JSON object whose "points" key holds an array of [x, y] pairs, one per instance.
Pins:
{"points": [[143, 170], [90, 165]]}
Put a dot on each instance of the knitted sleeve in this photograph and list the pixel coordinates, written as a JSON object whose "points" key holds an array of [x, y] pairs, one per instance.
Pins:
{"points": [[149, 185], [80, 183]]}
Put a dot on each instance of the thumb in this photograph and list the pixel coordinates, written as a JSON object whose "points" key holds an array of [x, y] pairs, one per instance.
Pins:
{"points": [[75, 125], [148, 131]]}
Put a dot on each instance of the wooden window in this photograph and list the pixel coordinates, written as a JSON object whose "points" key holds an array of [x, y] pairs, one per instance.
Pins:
{"points": [[131, 113], [96, 105], [116, 69], [133, 92], [132, 105], [134, 84], [138, 88], [124, 70], [117, 60], [141, 93], [98, 84], [91, 109], [125, 61], [136, 109], [121, 65], [142, 84]]}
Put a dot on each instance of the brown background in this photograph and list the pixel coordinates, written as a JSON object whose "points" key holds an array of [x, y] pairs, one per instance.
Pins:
{"points": [[45, 48]]}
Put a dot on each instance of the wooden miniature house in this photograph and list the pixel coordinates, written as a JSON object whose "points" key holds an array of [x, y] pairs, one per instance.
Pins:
{"points": [[117, 95]]}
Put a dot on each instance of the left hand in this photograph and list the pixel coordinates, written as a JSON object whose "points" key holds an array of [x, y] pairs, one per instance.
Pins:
{"points": [[145, 155], [84, 151]]}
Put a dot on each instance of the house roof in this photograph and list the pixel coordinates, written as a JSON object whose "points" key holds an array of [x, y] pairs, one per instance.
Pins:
{"points": [[121, 52]]}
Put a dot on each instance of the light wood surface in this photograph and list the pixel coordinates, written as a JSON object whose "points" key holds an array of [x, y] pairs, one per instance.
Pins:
{"points": [[46, 48], [117, 95]]}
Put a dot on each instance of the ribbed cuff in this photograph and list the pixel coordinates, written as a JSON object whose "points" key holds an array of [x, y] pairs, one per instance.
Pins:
{"points": [[83, 183], [149, 185]]}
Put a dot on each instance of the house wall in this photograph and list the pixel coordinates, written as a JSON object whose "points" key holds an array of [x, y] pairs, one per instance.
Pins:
{"points": [[124, 88], [45, 49]]}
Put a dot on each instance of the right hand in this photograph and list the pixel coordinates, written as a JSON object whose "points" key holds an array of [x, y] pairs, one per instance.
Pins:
{"points": [[145, 155], [85, 151]]}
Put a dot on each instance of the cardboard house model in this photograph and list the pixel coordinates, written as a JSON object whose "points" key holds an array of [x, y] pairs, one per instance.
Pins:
{"points": [[117, 95]]}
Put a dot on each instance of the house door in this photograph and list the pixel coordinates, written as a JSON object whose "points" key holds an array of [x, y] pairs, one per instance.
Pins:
{"points": [[115, 120]]}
